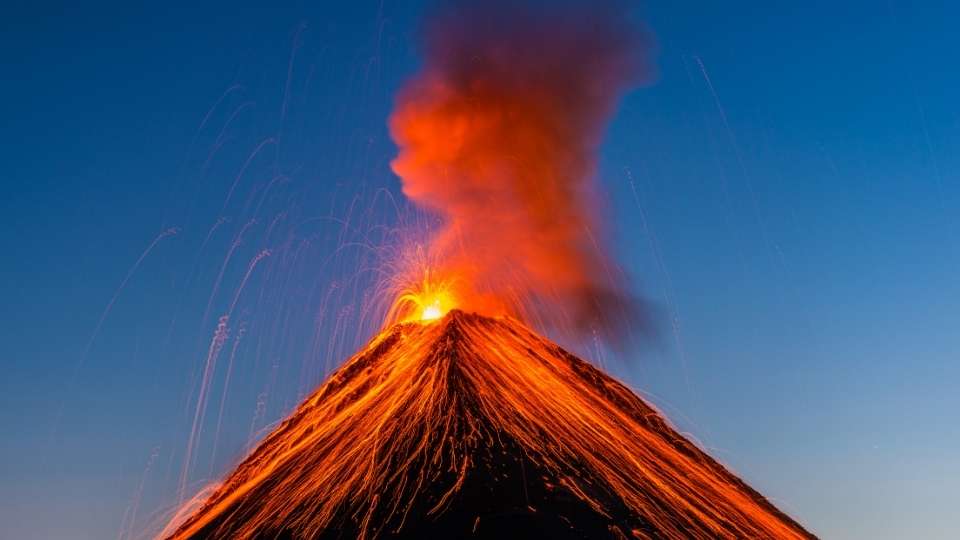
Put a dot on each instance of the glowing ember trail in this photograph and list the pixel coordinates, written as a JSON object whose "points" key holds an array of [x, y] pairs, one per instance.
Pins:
{"points": [[425, 300], [477, 426]]}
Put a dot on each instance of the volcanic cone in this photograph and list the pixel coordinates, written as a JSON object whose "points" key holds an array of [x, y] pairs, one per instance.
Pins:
{"points": [[477, 427]]}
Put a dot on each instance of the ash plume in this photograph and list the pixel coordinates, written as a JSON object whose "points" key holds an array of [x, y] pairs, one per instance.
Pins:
{"points": [[498, 134]]}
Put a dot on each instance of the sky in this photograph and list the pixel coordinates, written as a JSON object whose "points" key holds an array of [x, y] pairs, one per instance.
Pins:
{"points": [[784, 193]]}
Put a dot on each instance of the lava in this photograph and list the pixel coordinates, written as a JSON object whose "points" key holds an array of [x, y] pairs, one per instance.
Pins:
{"points": [[469, 424], [425, 299], [432, 311]]}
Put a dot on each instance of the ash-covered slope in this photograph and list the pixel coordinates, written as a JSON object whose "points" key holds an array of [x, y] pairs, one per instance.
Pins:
{"points": [[477, 427]]}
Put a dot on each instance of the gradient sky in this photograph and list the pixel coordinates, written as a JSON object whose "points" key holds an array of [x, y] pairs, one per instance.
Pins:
{"points": [[786, 193]]}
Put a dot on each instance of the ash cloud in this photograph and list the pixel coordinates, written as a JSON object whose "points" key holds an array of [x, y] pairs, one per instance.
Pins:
{"points": [[498, 134]]}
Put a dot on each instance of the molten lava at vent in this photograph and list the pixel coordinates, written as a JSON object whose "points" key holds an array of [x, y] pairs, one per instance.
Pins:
{"points": [[477, 427], [426, 300], [432, 311]]}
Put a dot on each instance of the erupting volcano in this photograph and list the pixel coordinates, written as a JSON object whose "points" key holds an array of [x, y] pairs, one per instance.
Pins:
{"points": [[459, 423], [471, 426]]}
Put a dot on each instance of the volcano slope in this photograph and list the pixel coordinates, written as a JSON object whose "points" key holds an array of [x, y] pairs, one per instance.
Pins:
{"points": [[476, 427]]}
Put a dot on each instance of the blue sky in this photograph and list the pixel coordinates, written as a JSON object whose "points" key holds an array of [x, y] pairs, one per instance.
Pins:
{"points": [[785, 193]]}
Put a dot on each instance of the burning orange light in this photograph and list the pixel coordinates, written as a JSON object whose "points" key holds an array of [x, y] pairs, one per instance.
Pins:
{"points": [[427, 299], [432, 312]]}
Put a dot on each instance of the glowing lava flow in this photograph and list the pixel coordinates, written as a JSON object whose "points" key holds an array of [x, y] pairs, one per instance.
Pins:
{"points": [[481, 419]]}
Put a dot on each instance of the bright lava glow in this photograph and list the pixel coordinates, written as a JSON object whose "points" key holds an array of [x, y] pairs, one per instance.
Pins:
{"points": [[432, 311], [424, 299]]}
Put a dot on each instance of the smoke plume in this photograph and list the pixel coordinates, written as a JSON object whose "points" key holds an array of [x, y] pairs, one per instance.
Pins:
{"points": [[499, 133]]}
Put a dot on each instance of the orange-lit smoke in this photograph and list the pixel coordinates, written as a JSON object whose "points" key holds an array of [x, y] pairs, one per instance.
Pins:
{"points": [[498, 135]]}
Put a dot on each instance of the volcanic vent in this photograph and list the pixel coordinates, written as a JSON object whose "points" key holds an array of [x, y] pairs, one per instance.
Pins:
{"points": [[476, 427]]}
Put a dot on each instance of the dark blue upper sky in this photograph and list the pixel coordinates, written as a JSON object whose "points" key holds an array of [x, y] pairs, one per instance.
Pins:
{"points": [[786, 193]]}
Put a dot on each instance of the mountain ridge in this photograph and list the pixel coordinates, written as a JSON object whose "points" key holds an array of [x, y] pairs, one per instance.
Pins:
{"points": [[472, 426]]}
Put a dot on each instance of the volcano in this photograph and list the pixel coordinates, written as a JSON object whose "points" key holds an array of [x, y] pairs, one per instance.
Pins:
{"points": [[476, 427]]}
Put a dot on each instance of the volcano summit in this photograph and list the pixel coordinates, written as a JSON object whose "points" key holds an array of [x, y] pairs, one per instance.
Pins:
{"points": [[476, 427]]}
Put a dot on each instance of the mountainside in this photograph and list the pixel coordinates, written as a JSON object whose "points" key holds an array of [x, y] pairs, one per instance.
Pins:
{"points": [[471, 426]]}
